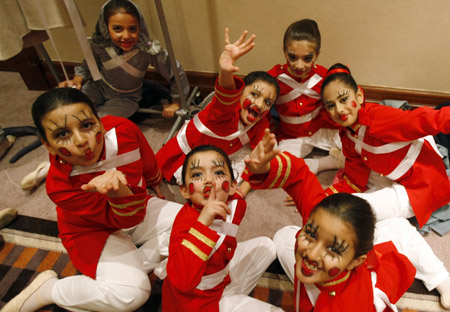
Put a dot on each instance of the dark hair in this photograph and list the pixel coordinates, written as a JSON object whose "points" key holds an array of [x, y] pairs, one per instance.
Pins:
{"points": [[53, 99], [262, 76], [120, 6], [356, 212], [205, 148], [345, 78], [305, 29]]}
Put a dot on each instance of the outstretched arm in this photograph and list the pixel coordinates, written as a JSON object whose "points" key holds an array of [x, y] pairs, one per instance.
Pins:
{"points": [[231, 53]]}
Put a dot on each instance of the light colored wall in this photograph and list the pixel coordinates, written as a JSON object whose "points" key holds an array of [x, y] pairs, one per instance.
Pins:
{"points": [[393, 43]]}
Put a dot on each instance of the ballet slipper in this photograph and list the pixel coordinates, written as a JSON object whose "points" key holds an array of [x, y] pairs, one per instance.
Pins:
{"points": [[17, 302], [6, 216], [445, 300], [6, 144], [31, 180]]}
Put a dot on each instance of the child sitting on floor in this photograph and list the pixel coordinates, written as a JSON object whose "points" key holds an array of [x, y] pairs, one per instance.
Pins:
{"points": [[207, 270], [123, 51], [234, 119], [97, 178], [303, 122]]}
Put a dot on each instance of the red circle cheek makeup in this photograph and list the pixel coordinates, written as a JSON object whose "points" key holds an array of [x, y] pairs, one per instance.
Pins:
{"points": [[354, 103], [333, 272], [191, 188], [98, 137], [64, 151], [246, 103], [226, 186]]}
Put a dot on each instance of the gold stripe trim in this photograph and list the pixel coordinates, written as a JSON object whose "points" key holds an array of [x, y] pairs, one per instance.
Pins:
{"points": [[122, 206], [127, 214], [194, 249], [280, 168], [332, 188], [207, 241], [155, 178], [225, 95], [332, 283], [288, 169], [353, 186]]}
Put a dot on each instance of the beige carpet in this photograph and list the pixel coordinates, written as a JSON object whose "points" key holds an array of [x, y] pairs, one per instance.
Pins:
{"points": [[265, 214]]}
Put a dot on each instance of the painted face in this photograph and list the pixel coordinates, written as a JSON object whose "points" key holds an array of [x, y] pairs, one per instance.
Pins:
{"points": [[256, 101], [300, 56], [325, 248], [206, 168], [124, 30], [342, 103], [74, 134]]}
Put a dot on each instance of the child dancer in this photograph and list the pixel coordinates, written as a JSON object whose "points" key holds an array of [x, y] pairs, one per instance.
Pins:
{"points": [[303, 122], [207, 269], [338, 230], [234, 118], [383, 141], [98, 176], [123, 52]]}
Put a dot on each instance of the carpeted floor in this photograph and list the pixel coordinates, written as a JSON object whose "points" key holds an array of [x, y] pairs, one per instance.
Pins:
{"points": [[265, 213], [32, 246]]}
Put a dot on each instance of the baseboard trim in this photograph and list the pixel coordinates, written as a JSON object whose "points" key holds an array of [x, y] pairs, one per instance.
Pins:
{"points": [[205, 83]]}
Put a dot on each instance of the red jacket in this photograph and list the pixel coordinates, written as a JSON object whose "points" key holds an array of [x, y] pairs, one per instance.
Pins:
{"points": [[218, 124], [196, 252], [390, 146], [86, 219], [299, 104]]}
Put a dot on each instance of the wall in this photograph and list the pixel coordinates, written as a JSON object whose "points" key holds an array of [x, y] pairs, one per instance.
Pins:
{"points": [[388, 43]]}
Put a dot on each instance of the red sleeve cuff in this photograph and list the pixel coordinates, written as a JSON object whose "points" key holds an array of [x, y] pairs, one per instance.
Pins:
{"points": [[226, 96]]}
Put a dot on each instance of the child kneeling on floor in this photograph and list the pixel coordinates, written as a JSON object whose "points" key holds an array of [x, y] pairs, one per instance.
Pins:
{"points": [[207, 269]]}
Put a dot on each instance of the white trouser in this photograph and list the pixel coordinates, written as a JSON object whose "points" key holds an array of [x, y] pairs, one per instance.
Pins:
{"points": [[388, 202], [237, 163], [250, 261], [398, 230], [323, 139], [122, 282]]}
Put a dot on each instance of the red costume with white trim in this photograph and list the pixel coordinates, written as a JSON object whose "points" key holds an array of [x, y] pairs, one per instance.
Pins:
{"points": [[390, 141], [86, 219], [218, 124], [299, 104], [197, 269], [373, 286]]}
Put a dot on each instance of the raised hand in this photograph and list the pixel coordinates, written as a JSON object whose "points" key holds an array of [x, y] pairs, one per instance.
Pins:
{"points": [[112, 183], [213, 208], [233, 51], [259, 159]]}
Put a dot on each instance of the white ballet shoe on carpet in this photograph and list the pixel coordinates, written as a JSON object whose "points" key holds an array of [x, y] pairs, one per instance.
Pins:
{"points": [[34, 178], [6, 216], [445, 300], [6, 144], [17, 302]]}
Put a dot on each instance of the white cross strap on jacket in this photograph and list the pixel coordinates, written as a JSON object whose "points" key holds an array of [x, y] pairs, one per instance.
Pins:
{"points": [[298, 88]]}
